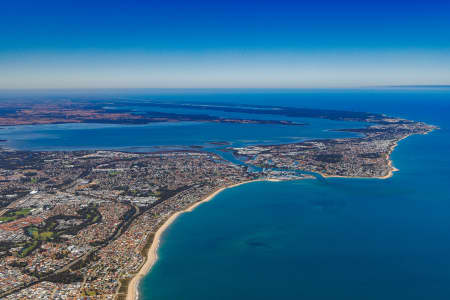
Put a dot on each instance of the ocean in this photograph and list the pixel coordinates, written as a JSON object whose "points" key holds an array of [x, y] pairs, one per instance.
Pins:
{"points": [[307, 239]]}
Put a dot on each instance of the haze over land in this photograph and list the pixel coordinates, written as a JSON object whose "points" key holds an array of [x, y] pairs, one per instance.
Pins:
{"points": [[319, 129]]}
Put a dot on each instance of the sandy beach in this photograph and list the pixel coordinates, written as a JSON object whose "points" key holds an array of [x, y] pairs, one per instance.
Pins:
{"points": [[392, 169], [152, 255]]}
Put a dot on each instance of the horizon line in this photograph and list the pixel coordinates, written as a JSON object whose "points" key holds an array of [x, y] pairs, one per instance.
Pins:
{"points": [[424, 86]]}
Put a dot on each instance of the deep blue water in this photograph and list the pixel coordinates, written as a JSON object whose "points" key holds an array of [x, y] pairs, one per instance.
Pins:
{"points": [[338, 239], [343, 239], [329, 239]]}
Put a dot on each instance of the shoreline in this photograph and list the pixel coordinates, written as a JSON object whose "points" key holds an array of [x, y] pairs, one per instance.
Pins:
{"points": [[152, 254], [392, 169]]}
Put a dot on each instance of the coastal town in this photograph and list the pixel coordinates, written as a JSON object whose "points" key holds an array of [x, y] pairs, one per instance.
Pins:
{"points": [[79, 224], [366, 157]]}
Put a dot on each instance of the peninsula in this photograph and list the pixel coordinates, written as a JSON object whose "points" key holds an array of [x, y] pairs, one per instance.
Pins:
{"points": [[87, 223]]}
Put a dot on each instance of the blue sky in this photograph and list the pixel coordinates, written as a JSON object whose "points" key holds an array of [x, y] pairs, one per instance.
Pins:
{"points": [[88, 44]]}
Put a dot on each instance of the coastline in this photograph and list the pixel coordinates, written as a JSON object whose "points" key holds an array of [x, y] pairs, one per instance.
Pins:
{"points": [[152, 254], [392, 169]]}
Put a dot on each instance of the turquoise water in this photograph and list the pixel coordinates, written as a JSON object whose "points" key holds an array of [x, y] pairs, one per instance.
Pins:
{"points": [[329, 239], [343, 239], [333, 239]]}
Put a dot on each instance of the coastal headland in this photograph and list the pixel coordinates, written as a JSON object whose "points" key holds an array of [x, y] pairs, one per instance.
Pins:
{"points": [[94, 219], [368, 156]]}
